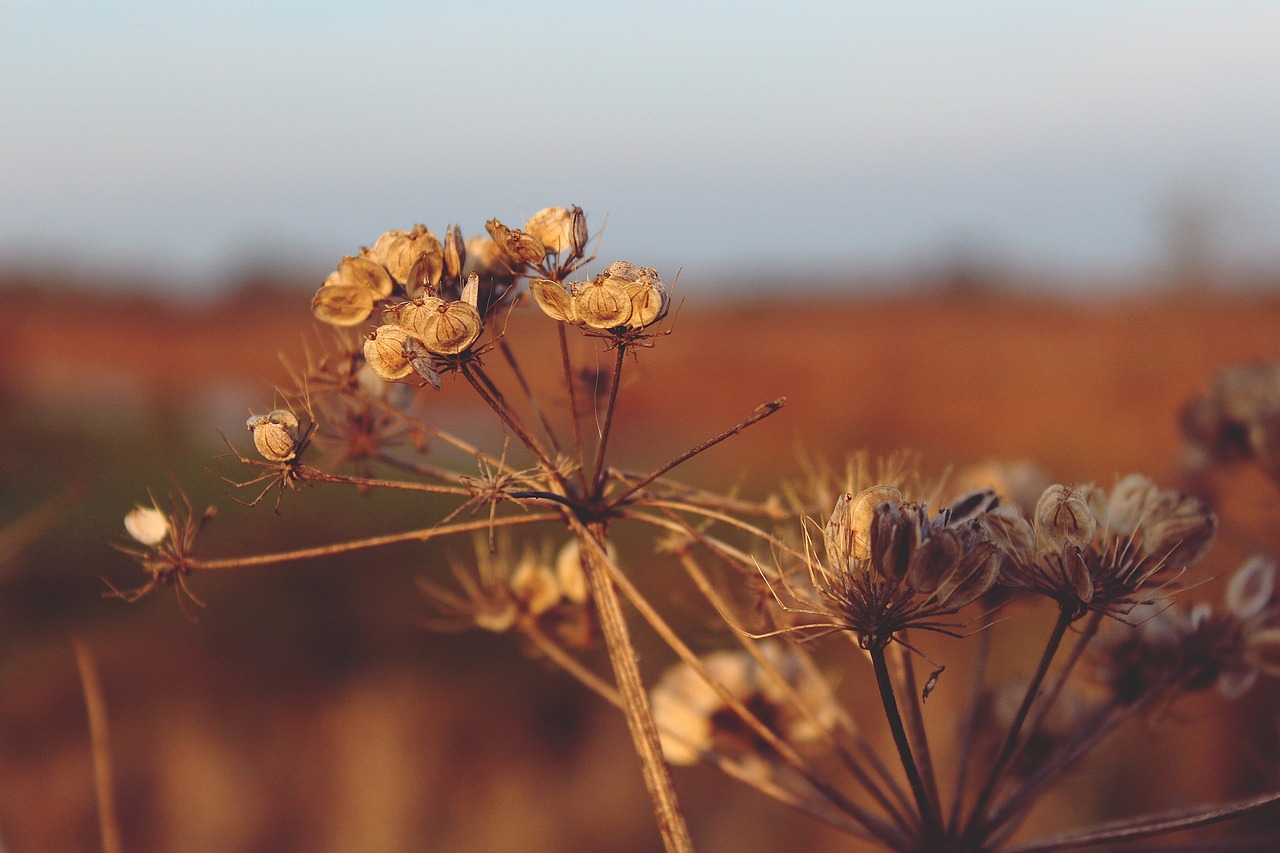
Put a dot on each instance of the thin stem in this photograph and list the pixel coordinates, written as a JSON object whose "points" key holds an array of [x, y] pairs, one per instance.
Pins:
{"points": [[626, 670], [509, 418], [597, 475], [706, 512], [317, 476], [928, 821], [421, 535], [976, 825], [418, 468], [915, 721], [528, 393], [574, 412], [761, 412], [100, 743]]}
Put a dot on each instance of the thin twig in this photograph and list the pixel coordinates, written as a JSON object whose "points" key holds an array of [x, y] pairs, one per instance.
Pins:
{"points": [[575, 413], [100, 743], [597, 470], [928, 819]]}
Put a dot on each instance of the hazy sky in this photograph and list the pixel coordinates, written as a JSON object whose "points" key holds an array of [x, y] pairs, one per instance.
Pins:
{"points": [[199, 138]]}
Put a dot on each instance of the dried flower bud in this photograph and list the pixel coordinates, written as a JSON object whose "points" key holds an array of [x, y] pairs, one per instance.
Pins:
{"points": [[862, 513], [1129, 502], [275, 435], [553, 299], [342, 304], [455, 251], [601, 303], [579, 231], [147, 525], [1063, 516], [384, 352], [516, 245], [552, 227]]}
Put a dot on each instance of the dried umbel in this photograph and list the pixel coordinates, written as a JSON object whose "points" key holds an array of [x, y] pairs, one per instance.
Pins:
{"points": [[275, 435], [444, 328], [147, 525], [694, 718], [890, 568], [1089, 551], [623, 298]]}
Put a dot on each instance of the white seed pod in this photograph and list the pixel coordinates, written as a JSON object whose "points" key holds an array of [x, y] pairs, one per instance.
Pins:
{"points": [[552, 227], [147, 525], [1063, 515], [515, 244], [363, 271], [862, 514], [342, 304], [275, 435], [384, 353], [601, 303], [553, 299]]}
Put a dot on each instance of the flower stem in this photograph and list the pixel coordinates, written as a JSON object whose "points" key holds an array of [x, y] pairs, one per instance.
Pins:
{"points": [[597, 477], [928, 819]]}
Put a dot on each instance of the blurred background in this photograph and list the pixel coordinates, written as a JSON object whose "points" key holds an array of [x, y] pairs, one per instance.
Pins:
{"points": [[992, 232]]}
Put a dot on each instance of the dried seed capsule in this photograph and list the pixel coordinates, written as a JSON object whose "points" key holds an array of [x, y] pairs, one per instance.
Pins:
{"points": [[1178, 528], [579, 231], [363, 271], [862, 511], [445, 328], [342, 304], [385, 355], [552, 227], [534, 586], [147, 525], [895, 537], [553, 299], [398, 251], [935, 561], [516, 245], [1063, 515], [601, 303], [1129, 502], [648, 303], [275, 435], [455, 251]]}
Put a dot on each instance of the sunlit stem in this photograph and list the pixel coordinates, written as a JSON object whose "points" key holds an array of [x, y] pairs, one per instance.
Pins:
{"points": [[977, 816], [316, 475], [928, 819], [496, 402], [575, 413], [597, 476]]}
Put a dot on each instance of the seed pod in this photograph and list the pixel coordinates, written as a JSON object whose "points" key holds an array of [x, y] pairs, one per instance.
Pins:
{"points": [[570, 574], [935, 561], [895, 535], [1011, 533], [365, 272], [862, 513], [553, 299], [1251, 588], [1129, 502], [275, 435], [601, 303], [147, 525], [1063, 515], [579, 230], [977, 572], [455, 251], [552, 227], [384, 353], [516, 245], [445, 328], [1178, 528], [534, 586], [838, 535], [342, 304], [398, 251]]}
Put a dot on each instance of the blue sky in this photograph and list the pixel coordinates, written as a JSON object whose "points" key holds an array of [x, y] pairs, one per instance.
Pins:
{"points": [[196, 139]]}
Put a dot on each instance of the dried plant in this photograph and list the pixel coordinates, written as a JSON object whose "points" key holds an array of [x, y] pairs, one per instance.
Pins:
{"points": [[895, 563]]}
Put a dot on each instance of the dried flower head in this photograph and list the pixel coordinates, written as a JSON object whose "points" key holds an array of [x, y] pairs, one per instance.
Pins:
{"points": [[623, 298], [553, 228], [275, 435], [693, 718], [1239, 418], [444, 328]]}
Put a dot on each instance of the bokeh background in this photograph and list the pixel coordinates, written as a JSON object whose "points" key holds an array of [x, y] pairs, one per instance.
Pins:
{"points": [[997, 231]]}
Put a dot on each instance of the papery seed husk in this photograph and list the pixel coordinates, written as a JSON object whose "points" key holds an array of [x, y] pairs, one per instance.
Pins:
{"points": [[421, 360], [1077, 573], [837, 536], [364, 271], [895, 535], [972, 504], [978, 571], [552, 227], [1011, 532], [424, 276], [579, 231], [600, 304], [453, 330], [275, 442], [648, 303], [553, 299], [570, 574], [1251, 587], [284, 418], [384, 353], [419, 316], [1129, 501], [455, 251], [147, 525], [515, 244], [471, 291], [398, 251], [1179, 528], [1063, 515], [862, 513], [342, 304], [934, 561]]}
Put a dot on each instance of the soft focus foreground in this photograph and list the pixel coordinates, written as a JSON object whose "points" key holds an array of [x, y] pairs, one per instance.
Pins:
{"points": [[308, 710]]}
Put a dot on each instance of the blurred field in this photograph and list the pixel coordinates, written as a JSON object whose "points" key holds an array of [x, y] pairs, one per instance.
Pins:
{"points": [[307, 711]]}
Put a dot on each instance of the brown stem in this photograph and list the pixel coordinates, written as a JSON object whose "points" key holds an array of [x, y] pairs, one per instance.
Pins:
{"points": [[928, 820], [761, 412], [315, 475], [575, 413], [915, 722], [597, 475], [100, 743]]}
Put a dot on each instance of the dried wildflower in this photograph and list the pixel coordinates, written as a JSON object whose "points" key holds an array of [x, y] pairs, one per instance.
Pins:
{"points": [[147, 525], [275, 435], [1172, 650], [444, 328], [517, 245], [1072, 552], [348, 295], [399, 251], [553, 228], [384, 351], [694, 719], [623, 298], [890, 568]]}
